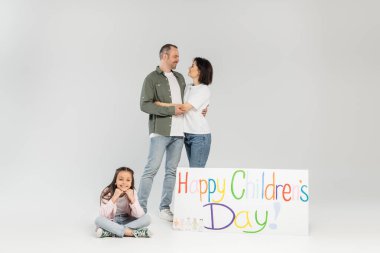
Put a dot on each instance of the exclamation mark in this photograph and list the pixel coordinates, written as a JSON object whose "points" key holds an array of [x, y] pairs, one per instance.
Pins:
{"points": [[277, 208]]}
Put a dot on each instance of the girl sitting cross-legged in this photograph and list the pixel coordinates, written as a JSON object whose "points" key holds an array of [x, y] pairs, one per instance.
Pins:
{"points": [[120, 211]]}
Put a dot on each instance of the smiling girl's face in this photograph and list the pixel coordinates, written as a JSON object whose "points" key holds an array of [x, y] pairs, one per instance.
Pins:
{"points": [[124, 180]]}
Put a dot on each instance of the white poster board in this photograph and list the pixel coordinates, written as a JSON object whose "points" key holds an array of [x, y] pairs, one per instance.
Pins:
{"points": [[264, 201]]}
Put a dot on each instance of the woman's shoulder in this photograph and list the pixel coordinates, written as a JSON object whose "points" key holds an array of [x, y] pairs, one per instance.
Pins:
{"points": [[204, 88], [198, 87]]}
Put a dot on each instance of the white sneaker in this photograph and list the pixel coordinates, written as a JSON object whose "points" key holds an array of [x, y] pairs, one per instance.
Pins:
{"points": [[100, 233], [166, 214]]}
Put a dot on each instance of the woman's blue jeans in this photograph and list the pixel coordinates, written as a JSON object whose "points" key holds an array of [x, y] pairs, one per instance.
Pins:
{"points": [[197, 149]]}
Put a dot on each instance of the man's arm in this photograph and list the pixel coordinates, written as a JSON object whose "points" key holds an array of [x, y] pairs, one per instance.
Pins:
{"points": [[178, 107], [147, 101]]}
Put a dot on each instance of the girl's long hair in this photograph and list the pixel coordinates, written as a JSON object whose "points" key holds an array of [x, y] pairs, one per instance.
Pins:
{"points": [[108, 192]]}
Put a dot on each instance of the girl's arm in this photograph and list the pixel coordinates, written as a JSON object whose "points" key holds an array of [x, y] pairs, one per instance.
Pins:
{"points": [[136, 210], [107, 208]]}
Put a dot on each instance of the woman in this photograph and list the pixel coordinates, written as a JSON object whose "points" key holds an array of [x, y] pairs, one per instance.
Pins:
{"points": [[197, 98]]}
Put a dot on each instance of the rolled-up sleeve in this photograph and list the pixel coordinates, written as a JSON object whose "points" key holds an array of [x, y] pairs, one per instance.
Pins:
{"points": [[147, 100]]}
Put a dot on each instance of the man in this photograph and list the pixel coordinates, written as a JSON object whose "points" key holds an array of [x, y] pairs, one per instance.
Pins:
{"points": [[165, 127]]}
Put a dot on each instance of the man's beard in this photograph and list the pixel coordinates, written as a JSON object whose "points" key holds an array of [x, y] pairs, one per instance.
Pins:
{"points": [[174, 66]]}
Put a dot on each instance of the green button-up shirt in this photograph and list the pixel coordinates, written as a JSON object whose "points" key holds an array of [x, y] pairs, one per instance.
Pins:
{"points": [[156, 88]]}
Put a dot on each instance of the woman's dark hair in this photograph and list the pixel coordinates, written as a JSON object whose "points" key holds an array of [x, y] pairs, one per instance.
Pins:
{"points": [[108, 192], [205, 69]]}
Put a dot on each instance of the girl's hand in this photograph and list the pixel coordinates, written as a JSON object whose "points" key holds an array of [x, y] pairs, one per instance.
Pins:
{"points": [[130, 195], [118, 192], [116, 195]]}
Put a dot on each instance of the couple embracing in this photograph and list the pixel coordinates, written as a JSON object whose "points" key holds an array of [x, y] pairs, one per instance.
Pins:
{"points": [[175, 118]]}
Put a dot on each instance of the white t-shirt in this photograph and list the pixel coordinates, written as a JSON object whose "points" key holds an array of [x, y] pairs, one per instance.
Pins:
{"points": [[177, 121], [199, 97]]}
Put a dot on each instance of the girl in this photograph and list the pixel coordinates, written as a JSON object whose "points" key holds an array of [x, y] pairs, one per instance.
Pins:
{"points": [[197, 98], [120, 211]]}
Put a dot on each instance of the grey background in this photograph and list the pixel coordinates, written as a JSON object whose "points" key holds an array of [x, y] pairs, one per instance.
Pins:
{"points": [[296, 86]]}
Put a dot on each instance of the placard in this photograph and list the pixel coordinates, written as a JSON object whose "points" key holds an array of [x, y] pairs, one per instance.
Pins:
{"points": [[255, 201]]}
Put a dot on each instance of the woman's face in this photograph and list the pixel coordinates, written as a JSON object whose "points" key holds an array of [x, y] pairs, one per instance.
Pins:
{"points": [[194, 71], [124, 180]]}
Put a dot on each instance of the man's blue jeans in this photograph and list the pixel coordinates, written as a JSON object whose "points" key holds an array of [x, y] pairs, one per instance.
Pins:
{"points": [[197, 149], [158, 145]]}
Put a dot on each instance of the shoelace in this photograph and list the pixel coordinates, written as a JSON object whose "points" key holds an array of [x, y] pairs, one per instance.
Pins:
{"points": [[106, 233], [141, 233]]}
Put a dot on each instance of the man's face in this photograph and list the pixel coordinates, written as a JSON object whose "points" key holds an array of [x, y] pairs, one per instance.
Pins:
{"points": [[172, 58]]}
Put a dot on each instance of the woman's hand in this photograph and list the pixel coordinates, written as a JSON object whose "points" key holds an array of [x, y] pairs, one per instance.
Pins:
{"points": [[130, 195], [204, 111], [186, 107]]}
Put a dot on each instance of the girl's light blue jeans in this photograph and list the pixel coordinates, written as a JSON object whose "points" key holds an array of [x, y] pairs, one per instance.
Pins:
{"points": [[121, 222]]}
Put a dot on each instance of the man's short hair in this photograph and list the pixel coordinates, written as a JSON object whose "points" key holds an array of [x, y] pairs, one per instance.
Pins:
{"points": [[165, 49]]}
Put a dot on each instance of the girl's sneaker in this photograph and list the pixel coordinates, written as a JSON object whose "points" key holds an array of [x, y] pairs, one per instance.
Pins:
{"points": [[100, 233], [142, 232]]}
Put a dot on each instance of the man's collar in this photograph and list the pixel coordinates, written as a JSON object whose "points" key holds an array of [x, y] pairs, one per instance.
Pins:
{"points": [[159, 71]]}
